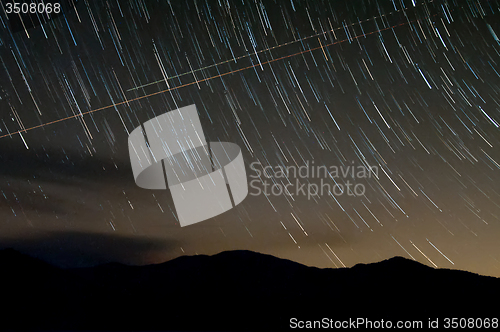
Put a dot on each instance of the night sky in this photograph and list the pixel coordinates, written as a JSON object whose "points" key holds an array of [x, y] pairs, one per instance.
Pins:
{"points": [[411, 87]]}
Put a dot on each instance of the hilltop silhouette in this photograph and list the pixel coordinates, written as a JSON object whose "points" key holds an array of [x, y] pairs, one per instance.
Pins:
{"points": [[234, 290]]}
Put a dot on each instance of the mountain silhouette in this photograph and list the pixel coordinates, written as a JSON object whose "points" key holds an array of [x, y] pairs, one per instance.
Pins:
{"points": [[233, 290]]}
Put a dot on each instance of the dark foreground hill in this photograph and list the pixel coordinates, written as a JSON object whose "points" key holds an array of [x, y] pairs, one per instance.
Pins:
{"points": [[236, 290]]}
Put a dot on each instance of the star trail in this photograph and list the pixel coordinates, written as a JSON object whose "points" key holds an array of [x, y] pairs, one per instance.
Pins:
{"points": [[398, 100]]}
